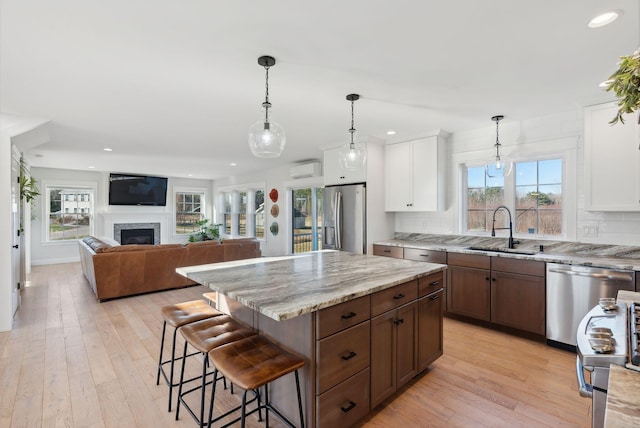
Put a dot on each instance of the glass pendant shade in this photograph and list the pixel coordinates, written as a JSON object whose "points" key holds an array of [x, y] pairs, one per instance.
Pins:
{"points": [[498, 167], [353, 156], [266, 139]]}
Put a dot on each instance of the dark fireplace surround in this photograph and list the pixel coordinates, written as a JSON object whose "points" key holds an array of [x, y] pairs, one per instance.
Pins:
{"points": [[137, 236], [137, 233]]}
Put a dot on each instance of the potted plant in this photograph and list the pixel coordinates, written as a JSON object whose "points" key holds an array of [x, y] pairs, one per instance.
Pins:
{"points": [[28, 185], [625, 83], [207, 232]]}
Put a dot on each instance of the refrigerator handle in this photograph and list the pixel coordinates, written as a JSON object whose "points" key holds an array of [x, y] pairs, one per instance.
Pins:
{"points": [[338, 220]]}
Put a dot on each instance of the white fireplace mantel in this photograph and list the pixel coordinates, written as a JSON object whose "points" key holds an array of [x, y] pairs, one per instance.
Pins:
{"points": [[108, 220]]}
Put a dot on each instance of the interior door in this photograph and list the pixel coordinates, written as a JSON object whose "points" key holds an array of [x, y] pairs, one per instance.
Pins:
{"points": [[15, 228]]}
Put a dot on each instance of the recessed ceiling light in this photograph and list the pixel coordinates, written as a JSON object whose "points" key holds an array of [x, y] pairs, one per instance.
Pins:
{"points": [[391, 132], [91, 167], [233, 164], [189, 175], [107, 149], [604, 19]]}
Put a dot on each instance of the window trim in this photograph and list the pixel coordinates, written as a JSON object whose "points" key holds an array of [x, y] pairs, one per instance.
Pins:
{"points": [[203, 191], [564, 148], [46, 204], [235, 190]]}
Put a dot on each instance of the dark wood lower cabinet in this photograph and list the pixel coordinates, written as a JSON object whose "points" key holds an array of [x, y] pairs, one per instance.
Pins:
{"points": [[345, 404], [469, 292], [393, 351], [518, 301], [430, 311]]}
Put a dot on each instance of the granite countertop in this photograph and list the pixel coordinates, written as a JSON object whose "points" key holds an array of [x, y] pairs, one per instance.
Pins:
{"points": [[578, 253], [289, 286], [623, 398]]}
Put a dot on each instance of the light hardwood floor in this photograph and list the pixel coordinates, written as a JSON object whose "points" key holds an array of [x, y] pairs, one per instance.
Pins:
{"points": [[73, 362]]}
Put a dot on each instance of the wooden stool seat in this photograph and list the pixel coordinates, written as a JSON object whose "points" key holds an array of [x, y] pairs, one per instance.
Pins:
{"points": [[177, 316], [252, 363], [204, 336], [187, 312]]}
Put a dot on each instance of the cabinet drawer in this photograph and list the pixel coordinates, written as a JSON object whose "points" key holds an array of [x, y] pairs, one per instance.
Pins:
{"points": [[388, 251], [431, 283], [476, 261], [346, 403], [393, 297], [425, 255], [335, 318], [342, 355], [524, 267]]}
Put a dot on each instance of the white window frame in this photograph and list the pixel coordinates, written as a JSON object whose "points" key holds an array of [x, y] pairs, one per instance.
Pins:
{"points": [[48, 185], [193, 190], [250, 189], [564, 148]]}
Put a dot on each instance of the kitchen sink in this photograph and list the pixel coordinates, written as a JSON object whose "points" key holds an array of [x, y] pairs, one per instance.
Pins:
{"points": [[504, 250]]}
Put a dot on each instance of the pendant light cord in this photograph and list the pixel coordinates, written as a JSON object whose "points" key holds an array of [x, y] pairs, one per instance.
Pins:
{"points": [[497, 139], [266, 103], [352, 130]]}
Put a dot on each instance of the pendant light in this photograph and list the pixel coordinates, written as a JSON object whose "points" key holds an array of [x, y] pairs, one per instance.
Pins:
{"points": [[266, 138], [354, 155], [498, 167]]}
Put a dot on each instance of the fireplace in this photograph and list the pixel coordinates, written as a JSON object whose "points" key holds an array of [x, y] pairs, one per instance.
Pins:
{"points": [[137, 236], [137, 233]]}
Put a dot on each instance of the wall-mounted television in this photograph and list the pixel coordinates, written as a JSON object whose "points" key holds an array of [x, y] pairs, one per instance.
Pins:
{"points": [[132, 189]]}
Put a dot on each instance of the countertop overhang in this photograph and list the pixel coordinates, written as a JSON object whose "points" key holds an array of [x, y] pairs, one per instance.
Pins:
{"points": [[286, 287]]}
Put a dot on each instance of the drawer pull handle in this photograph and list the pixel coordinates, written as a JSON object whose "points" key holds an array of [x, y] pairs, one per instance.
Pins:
{"points": [[349, 315], [386, 251], [434, 297], [398, 296], [349, 356], [434, 283], [399, 321], [349, 407], [423, 255]]}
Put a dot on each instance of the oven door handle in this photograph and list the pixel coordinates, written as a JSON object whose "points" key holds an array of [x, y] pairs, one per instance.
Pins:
{"points": [[584, 388]]}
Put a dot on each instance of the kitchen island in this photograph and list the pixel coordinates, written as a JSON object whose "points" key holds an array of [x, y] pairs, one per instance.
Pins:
{"points": [[365, 324]]}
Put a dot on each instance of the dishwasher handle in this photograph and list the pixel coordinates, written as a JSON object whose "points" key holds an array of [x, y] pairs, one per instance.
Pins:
{"points": [[618, 276], [584, 388]]}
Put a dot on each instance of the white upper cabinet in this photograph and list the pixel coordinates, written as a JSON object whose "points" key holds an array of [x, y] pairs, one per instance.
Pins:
{"points": [[414, 175], [334, 174], [611, 160]]}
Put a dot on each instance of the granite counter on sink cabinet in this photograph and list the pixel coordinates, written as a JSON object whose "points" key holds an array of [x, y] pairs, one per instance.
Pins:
{"points": [[294, 299]]}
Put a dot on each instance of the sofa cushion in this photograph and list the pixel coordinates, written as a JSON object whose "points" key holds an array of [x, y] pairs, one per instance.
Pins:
{"points": [[95, 244]]}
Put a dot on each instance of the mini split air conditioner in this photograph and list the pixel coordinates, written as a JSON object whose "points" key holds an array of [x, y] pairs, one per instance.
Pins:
{"points": [[312, 169]]}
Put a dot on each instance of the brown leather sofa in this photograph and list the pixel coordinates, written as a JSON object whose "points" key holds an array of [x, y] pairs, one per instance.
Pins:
{"points": [[125, 270]]}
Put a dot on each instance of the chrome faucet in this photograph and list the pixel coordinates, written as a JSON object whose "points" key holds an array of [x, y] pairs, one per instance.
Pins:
{"points": [[512, 242]]}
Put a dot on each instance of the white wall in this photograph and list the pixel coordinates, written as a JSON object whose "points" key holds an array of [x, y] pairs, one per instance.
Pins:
{"points": [[63, 252], [6, 312], [530, 137]]}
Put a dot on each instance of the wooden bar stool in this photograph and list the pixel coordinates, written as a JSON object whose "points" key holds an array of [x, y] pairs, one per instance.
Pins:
{"points": [[177, 316], [204, 336], [250, 364]]}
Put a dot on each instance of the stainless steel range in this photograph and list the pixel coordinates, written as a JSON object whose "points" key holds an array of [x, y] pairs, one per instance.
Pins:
{"points": [[608, 334]]}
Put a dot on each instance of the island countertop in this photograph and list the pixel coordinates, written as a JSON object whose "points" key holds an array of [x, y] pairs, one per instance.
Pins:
{"points": [[286, 287]]}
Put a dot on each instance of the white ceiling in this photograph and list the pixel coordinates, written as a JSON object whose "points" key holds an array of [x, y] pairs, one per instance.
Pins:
{"points": [[172, 86]]}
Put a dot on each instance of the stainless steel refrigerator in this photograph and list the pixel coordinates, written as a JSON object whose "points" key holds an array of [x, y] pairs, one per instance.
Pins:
{"points": [[344, 225]]}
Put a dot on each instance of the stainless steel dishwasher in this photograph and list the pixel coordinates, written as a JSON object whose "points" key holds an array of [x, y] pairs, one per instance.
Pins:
{"points": [[573, 290]]}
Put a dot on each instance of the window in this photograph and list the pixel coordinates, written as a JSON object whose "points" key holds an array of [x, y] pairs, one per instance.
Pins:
{"points": [[539, 197], [227, 212], [68, 214], [258, 215], [484, 195], [307, 219], [242, 214], [536, 203], [242, 210], [190, 209]]}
